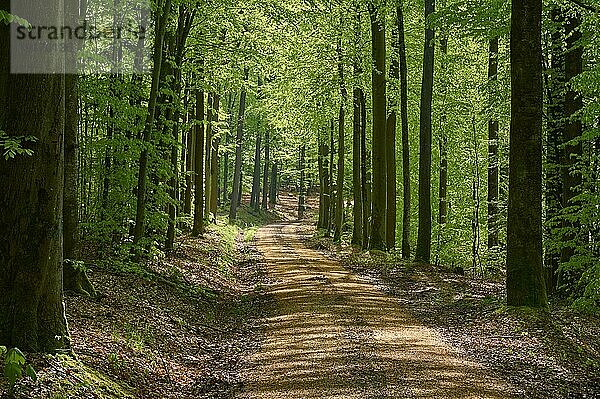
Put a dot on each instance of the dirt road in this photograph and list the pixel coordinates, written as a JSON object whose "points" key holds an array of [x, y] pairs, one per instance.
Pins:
{"points": [[332, 334]]}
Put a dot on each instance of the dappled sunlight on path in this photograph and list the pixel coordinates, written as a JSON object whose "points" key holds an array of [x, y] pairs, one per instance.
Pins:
{"points": [[331, 334]]}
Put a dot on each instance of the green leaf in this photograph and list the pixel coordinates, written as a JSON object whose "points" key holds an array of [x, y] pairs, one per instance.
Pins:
{"points": [[15, 356], [30, 371], [12, 372]]}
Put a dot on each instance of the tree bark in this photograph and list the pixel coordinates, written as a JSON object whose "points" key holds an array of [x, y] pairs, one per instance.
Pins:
{"points": [[255, 195], [301, 186], [423, 251], [524, 279], [379, 197], [554, 138], [390, 156], [237, 175], [405, 137], [339, 209], [365, 186], [492, 195], [162, 19], [198, 228], [214, 160], [571, 176], [31, 249], [273, 190], [266, 172]]}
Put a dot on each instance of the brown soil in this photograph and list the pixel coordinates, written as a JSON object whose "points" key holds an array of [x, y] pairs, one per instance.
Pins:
{"points": [[332, 334]]}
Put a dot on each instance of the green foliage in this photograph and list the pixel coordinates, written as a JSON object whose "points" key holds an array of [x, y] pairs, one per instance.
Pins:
{"points": [[15, 366], [11, 146], [8, 18]]}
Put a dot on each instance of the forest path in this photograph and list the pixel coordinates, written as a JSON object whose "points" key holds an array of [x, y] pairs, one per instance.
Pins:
{"points": [[332, 334]]}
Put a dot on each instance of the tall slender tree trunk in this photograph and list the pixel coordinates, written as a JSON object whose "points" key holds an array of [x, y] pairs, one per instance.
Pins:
{"points": [[524, 280], [552, 177], [273, 190], [331, 180], [198, 228], [321, 186], [162, 19], [405, 136], [365, 191], [237, 174], [492, 195], [390, 156], [423, 251], [339, 209], [379, 197], [571, 174], [266, 172], [301, 186], [208, 153], [255, 195], [214, 160]]}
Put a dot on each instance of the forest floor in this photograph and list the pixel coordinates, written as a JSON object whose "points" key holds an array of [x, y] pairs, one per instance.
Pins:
{"points": [[177, 327]]}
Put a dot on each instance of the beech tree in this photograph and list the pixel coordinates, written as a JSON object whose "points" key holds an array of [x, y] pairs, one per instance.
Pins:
{"points": [[525, 283]]}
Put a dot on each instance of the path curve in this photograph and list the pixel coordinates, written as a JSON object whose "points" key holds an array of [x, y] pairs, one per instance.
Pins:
{"points": [[332, 334]]}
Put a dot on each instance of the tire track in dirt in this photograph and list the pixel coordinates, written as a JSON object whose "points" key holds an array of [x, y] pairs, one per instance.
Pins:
{"points": [[331, 334]]}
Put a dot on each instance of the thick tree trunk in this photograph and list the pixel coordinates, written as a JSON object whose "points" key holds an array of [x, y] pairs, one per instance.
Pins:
{"points": [[237, 174], [198, 228], [492, 195], [379, 198], [165, 10], [423, 251], [524, 279], [405, 138], [31, 199]]}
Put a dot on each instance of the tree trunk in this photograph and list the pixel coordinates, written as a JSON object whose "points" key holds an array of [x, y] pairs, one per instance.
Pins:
{"points": [[214, 160], [390, 156], [208, 153], [198, 228], [31, 249], [556, 112], [331, 180], [423, 251], [492, 195], [339, 209], [365, 190], [138, 231], [273, 191], [524, 280], [321, 185], [379, 197], [237, 174], [255, 195], [301, 188], [405, 137], [266, 172], [571, 176]]}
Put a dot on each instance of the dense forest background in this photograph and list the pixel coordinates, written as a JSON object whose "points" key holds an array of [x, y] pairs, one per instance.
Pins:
{"points": [[422, 128]]}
